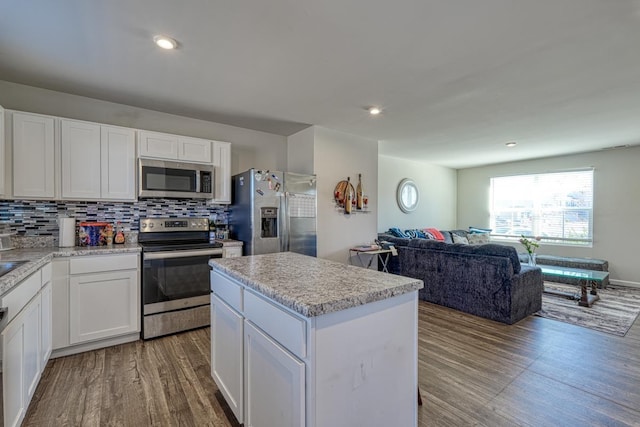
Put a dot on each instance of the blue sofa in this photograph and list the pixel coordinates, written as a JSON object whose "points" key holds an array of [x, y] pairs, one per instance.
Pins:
{"points": [[484, 280]]}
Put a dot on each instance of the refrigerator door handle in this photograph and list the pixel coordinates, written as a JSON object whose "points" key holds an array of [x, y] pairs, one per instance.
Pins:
{"points": [[284, 223]]}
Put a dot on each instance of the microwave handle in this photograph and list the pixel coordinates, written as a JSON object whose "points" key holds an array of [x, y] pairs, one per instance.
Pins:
{"points": [[198, 178]]}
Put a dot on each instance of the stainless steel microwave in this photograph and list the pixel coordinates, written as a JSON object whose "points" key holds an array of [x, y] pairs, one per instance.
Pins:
{"points": [[160, 178]]}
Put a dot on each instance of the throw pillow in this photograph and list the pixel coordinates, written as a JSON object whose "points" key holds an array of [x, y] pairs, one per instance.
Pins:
{"points": [[459, 239], [478, 238]]}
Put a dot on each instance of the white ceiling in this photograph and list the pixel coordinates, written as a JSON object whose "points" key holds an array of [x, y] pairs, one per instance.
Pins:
{"points": [[456, 78]]}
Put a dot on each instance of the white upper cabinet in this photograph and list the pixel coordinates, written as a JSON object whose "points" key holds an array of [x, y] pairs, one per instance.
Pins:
{"points": [[194, 150], [159, 145], [33, 156], [80, 160], [118, 163], [222, 170], [98, 161], [173, 147]]}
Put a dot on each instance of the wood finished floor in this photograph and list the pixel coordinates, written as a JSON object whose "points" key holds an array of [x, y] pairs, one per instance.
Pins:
{"points": [[472, 371]]}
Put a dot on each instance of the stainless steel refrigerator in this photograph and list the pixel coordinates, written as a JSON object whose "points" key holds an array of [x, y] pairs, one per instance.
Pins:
{"points": [[274, 211]]}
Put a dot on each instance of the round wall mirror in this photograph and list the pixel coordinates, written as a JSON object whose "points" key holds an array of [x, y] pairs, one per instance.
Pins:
{"points": [[407, 195]]}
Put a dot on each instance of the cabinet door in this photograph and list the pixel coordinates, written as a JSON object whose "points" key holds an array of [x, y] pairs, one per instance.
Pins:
{"points": [[46, 324], [274, 382], [222, 167], [31, 347], [226, 354], [13, 372], [118, 155], [80, 160], [103, 305], [194, 150], [159, 145], [33, 161]]}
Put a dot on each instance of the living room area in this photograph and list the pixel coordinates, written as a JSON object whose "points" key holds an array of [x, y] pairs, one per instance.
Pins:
{"points": [[536, 371]]}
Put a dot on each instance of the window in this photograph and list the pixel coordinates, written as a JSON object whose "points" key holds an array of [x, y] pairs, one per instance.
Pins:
{"points": [[556, 206]]}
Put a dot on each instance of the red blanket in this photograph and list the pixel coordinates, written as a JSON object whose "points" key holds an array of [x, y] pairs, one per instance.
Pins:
{"points": [[435, 233]]}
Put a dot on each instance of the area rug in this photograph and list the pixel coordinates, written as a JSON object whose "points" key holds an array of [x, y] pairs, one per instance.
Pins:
{"points": [[614, 313]]}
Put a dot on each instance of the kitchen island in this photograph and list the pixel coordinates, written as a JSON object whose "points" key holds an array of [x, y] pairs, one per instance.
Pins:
{"points": [[301, 341]]}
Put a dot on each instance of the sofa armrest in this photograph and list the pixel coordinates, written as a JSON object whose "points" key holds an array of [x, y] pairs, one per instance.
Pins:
{"points": [[526, 292]]}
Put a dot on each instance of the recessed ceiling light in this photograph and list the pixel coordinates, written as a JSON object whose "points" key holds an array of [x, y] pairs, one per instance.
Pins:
{"points": [[165, 42], [511, 144], [374, 111]]}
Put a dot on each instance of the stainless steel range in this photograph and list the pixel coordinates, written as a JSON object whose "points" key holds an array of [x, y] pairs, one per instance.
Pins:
{"points": [[175, 274]]}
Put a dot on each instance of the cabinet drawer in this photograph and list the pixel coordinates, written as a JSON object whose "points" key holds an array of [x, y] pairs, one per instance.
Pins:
{"points": [[227, 290], [46, 273], [285, 328], [20, 295], [96, 264]]}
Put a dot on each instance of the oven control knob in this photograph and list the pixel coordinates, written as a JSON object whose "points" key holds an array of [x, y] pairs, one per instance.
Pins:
{"points": [[151, 225], [143, 225]]}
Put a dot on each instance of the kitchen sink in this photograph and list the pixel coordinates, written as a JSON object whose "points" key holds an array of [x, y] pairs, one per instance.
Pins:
{"points": [[7, 266]]}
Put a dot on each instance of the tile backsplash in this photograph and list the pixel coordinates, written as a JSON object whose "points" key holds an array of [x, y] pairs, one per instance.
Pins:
{"points": [[38, 218]]}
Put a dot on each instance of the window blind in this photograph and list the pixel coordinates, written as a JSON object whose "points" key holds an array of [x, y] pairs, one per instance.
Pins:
{"points": [[557, 206]]}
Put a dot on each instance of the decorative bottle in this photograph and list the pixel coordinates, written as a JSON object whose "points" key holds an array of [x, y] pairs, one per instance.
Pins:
{"points": [[119, 238], [359, 193], [348, 197]]}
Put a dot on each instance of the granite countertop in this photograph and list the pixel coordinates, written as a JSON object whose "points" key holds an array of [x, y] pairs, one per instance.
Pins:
{"points": [[38, 257], [312, 286]]}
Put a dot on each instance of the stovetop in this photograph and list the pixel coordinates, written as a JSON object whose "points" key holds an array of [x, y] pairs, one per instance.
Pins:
{"points": [[173, 234]]}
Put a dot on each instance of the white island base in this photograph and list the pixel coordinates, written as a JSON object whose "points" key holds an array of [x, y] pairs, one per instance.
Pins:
{"points": [[364, 369], [355, 366]]}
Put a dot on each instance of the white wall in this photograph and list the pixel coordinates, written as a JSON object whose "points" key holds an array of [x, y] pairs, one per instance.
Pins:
{"points": [[616, 204], [437, 186], [300, 148], [249, 148], [337, 156]]}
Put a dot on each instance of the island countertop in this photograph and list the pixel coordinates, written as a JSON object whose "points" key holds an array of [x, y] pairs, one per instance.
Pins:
{"points": [[312, 286]]}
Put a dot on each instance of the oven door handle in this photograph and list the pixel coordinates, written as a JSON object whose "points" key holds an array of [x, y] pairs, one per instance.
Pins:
{"points": [[180, 254]]}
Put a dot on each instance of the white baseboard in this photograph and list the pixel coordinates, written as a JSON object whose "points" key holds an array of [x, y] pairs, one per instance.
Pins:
{"points": [[625, 283], [81, 348]]}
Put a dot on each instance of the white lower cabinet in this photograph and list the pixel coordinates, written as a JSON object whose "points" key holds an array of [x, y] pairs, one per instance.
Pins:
{"points": [[275, 382], [262, 381], [32, 345], [96, 300], [226, 345], [102, 305], [352, 367], [13, 369], [46, 341], [23, 359]]}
